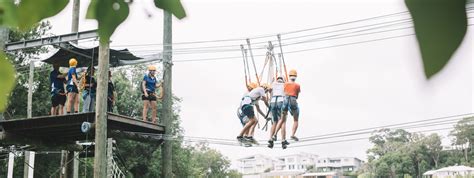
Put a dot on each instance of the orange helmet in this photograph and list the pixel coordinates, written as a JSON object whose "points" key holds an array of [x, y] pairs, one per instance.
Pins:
{"points": [[72, 62], [293, 73], [151, 68], [252, 86]]}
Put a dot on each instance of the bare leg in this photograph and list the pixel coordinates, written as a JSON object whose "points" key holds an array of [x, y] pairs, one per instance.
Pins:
{"points": [[283, 126], [53, 111], [145, 109], [153, 111], [70, 99], [76, 102], [295, 125], [252, 129], [273, 129], [61, 110], [247, 126]]}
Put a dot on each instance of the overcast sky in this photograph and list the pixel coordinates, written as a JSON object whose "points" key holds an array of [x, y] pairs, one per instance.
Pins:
{"points": [[343, 88]]}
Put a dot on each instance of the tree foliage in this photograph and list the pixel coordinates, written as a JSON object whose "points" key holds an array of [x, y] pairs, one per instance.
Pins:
{"points": [[397, 153]]}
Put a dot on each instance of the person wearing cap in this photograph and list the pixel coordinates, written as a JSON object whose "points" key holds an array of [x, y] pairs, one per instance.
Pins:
{"points": [[89, 86], [58, 93], [246, 105], [149, 85], [71, 87], [276, 105], [292, 91]]}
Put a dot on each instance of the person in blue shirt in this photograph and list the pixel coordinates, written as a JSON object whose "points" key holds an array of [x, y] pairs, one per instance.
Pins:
{"points": [[149, 85], [58, 94], [89, 85], [71, 87]]}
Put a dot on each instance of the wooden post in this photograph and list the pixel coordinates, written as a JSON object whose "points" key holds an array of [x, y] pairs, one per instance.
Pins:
{"points": [[73, 169], [167, 116], [11, 164], [110, 158], [100, 153], [29, 155]]}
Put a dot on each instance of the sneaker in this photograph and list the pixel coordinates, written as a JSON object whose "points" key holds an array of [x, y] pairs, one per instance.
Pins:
{"points": [[295, 138], [240, 139], [284, 144], [274, 138], [252, 140], [270, 143]]}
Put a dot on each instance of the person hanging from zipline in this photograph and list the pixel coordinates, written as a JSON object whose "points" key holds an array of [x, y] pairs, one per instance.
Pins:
{"points": [[89, 88], [58, 94], [244, 119], [292, 91], [246, 105], [72, 87], [276, 106], [149, 85]]}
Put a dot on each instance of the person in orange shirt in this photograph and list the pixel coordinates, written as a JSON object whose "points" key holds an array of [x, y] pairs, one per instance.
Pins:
{"points": [[292, 91]]}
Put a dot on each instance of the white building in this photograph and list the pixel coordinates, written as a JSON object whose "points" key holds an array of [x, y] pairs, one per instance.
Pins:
{"points": [[255, 164], [338, 164], [295, 162]]}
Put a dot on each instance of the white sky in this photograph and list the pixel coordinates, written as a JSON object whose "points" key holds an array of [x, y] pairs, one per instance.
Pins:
{"points": [[343, 88]]}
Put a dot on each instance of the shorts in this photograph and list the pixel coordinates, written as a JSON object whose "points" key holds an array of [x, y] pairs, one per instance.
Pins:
{"points": [[275, 108], [151, 97], [72, 89], [242, 118], [57, 99], [247, 110], [291, 104]]}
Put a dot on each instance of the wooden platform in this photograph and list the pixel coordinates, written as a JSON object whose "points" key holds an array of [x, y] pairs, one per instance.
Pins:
{"points": [[66, 129]]}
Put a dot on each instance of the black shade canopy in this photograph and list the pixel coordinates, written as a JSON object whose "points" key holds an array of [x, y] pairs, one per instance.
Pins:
{"points": [[87, 56]]}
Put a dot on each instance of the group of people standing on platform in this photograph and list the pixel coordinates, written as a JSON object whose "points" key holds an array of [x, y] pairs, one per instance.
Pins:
{"points": [[282, 98], [67, 89]]}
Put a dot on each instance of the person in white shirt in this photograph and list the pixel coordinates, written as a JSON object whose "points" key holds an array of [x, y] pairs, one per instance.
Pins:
{"points": [[276, 104], [246, 105]]}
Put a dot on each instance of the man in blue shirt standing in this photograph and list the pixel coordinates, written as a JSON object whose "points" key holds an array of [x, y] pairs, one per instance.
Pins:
{"points": [[58, 95], [149, 97]]}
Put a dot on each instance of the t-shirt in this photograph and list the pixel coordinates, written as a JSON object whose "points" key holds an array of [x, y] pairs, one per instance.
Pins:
{"points": [[254, 96], [292, 89], [150, 84], [278, 92], [72, 71], [56, 83]]}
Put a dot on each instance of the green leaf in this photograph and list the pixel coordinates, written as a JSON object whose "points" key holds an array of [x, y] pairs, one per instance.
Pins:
{"points": [[440, 26], [8, 13], [31, 12], [7, 79], [109, 14], [173, 6]]}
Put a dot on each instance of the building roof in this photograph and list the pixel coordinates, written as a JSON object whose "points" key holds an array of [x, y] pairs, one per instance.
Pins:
{"points": [[456, 169]]}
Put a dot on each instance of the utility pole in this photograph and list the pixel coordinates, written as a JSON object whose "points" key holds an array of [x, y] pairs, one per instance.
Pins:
{"points": [[167, 116], [72, 169], [100, 153], [29, 155]]}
